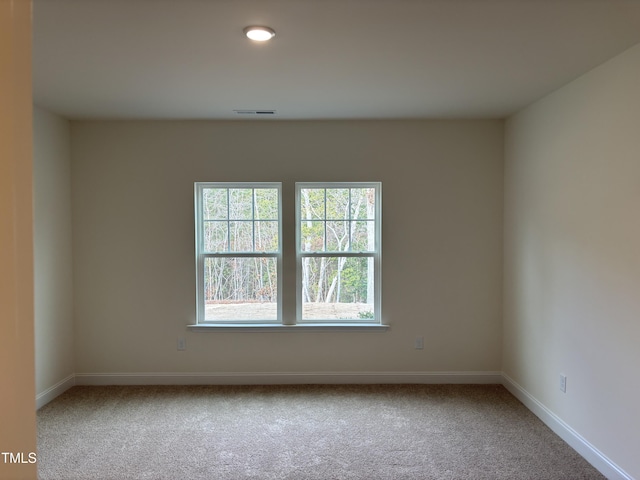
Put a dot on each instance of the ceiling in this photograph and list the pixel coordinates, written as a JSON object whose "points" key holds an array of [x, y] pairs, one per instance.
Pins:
{"points": [[330, 59]]}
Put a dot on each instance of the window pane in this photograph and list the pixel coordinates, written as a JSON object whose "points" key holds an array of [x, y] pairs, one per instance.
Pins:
{"points": [[241, 234], [337, 236], [337, 203], [312, 203], [312, 236], [363, 203], [215, 236], [240, 289], [240, 203], [363, 236], [266, 236], [214, 203], [338, 288], [266, 204]]}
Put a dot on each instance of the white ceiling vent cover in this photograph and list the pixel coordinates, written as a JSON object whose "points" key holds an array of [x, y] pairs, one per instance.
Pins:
{"points": [[255, 112]]}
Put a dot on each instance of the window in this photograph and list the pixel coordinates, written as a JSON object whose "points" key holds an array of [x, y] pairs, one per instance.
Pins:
{"points": [[338, 241], [238, 252], [239, 256]]}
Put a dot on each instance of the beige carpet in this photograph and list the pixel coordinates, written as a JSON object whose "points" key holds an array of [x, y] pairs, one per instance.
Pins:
{"points": [[299, 432]]}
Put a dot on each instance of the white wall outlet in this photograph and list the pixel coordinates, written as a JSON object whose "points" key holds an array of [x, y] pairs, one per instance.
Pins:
{"points": [[419, 343], [563, 383], [182, 343]]}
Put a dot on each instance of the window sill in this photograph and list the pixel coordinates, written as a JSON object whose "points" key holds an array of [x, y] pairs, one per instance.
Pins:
{"points": [[305, 327]]}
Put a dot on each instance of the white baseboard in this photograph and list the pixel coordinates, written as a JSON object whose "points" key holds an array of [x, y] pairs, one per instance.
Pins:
{"points": [[288, 378], [58, 389], [594, 456]]}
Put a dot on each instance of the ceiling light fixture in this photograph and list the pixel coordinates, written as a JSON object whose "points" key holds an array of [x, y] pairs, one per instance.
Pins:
{"points": [[259, 34]]}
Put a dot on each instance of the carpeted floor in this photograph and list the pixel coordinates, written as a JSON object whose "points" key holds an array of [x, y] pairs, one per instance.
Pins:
{"points": [[299, 432]]}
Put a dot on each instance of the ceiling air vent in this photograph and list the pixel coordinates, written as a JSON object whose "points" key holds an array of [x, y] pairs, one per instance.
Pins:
{"points": [[255, 112]]}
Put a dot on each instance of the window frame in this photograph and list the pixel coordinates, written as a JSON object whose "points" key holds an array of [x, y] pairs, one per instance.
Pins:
{"points": [[201, 254], [376, 254]]}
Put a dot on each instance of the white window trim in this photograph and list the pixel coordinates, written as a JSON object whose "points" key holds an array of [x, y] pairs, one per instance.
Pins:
{"points": [[288, 324], [376, 255], [303, 327], [200, 255]]}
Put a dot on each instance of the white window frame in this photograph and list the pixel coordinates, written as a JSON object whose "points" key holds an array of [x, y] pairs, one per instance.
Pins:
{"points": [[376, 254], [201, 254]]}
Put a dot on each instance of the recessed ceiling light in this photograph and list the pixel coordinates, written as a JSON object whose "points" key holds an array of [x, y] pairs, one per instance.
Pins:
{"points": [[259, 34]]}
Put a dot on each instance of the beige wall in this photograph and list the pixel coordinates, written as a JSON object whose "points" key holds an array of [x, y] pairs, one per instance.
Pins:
{"points": [[52, 250], [572, 255], [132, 196], [17, 391]]}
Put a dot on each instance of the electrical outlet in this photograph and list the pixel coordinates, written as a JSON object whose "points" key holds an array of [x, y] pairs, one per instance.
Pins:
{"points": [[182, 343], [419, 343], [563, 383]]}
